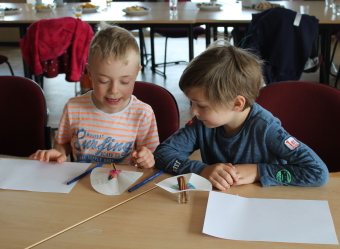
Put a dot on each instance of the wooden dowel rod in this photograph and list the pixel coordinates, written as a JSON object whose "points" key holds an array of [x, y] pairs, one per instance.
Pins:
{"points": [[81, 222]]}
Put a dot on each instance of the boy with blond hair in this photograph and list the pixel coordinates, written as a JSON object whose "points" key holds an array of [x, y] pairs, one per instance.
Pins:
{"points": [[107, 124], [240, 142]]}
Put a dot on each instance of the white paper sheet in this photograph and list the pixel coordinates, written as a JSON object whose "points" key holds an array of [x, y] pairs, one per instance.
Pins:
{"points": [[115, 186], [197, 182], [32, 175], [295, 221]]}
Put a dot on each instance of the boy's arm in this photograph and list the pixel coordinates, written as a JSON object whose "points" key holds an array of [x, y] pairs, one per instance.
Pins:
{"points": [[147, 142], [173, 154], [147, 134], [303, 168]]}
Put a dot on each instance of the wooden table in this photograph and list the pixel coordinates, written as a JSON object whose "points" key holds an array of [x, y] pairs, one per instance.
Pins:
{"points": [[28, 217], [156, 220]]}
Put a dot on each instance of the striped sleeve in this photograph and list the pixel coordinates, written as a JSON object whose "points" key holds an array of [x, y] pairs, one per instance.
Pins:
{"points": [[147, 131]]}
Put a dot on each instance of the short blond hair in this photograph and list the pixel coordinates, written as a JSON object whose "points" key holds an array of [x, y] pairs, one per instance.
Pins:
{"points": [[223, 72], [111, 40]]}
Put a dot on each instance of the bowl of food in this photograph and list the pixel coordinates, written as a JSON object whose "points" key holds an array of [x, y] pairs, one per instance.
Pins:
{"points": [[88, 7], [137, 10], [45, 7], [209, 6]]}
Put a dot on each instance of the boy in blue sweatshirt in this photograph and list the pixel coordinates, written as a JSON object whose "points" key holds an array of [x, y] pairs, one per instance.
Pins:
{"points": [[240, 142]]}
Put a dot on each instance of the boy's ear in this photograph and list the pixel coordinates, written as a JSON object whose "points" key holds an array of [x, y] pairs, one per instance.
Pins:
{"points": [[239, 103], [140, 68]]}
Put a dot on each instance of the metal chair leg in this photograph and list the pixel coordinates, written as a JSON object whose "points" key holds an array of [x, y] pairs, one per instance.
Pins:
{"points": [[165, 62], [10, 68]]}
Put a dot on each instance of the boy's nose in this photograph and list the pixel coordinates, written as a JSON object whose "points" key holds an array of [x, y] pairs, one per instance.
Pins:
{"points": [[113, 88], [193, 111]]}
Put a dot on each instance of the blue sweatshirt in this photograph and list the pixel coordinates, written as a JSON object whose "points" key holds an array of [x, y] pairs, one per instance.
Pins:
{"points": [[281, 159]]}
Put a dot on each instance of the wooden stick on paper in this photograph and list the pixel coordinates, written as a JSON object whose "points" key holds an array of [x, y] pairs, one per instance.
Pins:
{"points": [[114, 166], [81, 222]]}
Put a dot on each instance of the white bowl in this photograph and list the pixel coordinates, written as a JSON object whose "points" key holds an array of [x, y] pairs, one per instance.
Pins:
{"points": [[145, 11]]}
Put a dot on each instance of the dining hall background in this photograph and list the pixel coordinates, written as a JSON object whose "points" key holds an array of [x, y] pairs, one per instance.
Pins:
{"points": [[58, 91]]}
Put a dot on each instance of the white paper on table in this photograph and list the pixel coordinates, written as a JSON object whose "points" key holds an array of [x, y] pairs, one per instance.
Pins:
{"points": [[115, 186], [198, 182], [276, 220], [32, 175]]}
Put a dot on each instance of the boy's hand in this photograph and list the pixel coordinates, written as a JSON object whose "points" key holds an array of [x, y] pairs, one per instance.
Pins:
{"points": [[221, 175], [143, 157], [47, 155], [247, 173]]}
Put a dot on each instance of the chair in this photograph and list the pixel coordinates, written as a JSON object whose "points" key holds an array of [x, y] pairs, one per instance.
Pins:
{"points": [[310, 112], [4, 59], [58, 45], [173, 33], [23, 113], [163, 104], [285, 59]]}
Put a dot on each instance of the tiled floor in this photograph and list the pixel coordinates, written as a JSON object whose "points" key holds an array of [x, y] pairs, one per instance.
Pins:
{"points": [[58, 91]]}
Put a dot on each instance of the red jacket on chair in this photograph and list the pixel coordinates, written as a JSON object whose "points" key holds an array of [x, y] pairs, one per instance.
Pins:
{"points": [[48, 39]]}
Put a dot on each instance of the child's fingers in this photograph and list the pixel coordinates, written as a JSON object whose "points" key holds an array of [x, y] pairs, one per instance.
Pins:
{"points": [[33, 156], [134, 154], [149, 162], [61, 159], [230, 165], [230, 171], [41, 156], [220, 183]]}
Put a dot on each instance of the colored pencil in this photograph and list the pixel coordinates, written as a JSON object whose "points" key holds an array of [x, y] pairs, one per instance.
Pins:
{"points": [[83, 174], [145, 181]]}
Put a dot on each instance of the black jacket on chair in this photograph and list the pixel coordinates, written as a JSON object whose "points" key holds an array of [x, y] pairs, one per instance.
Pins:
{"points": [[283, 46]]}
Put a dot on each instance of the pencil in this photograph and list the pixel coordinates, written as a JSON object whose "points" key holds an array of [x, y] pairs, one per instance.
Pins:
{"points": [[145, 181], [84, 174]]}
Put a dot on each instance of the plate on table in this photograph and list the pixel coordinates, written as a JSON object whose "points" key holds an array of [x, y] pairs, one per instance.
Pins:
{"points": [[45, 7], [137, 10], [87, 7], [209, 6], [12, 11]]}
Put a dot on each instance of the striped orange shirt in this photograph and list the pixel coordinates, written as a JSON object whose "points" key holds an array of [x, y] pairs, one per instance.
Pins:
{"points": [[96, 136]]}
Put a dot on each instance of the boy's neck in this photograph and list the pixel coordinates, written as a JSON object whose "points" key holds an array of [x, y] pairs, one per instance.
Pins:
{"points": [[233, 128]]}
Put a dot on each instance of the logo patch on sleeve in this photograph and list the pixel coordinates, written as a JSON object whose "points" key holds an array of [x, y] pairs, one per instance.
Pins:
{"points": [[190, 122], [284, 176], [176, 165], [291, 143]]}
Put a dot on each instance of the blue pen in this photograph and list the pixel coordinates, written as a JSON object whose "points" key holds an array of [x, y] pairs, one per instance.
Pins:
{"points": [[84, 174], [145, 181]]}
